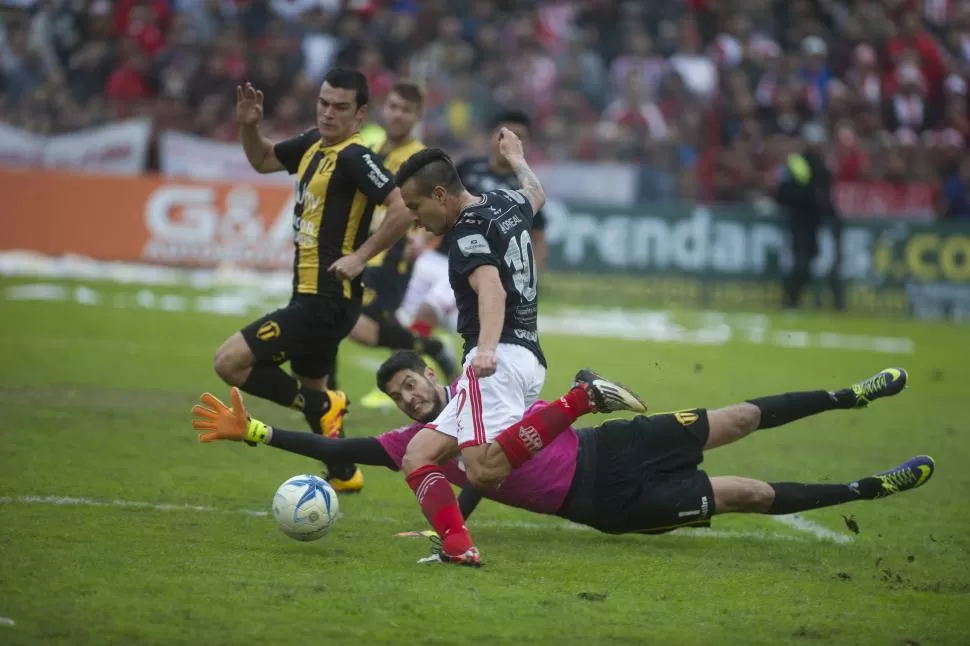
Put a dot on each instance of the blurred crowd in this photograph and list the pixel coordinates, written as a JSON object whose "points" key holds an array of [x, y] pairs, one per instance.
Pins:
{"points": [[706, 96]]}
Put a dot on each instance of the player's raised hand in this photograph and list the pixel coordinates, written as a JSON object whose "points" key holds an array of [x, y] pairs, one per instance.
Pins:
{"points": [[510, 145], [221, 422], [348, 267], [484, 363], [249, 105]]}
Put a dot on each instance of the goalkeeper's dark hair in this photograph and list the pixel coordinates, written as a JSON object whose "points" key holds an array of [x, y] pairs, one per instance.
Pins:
{"points": [[400, 360], [518, 117], [429, 168]]}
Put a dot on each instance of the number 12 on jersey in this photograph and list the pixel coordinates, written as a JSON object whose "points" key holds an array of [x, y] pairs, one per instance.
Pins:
{"points": [[521, 261]]}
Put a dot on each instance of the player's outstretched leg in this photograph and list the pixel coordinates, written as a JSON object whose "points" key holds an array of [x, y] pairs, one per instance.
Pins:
{"points": [[425, 452], [732, 423], [591, 393], [608, 396], [884, 383], [740, 495]]}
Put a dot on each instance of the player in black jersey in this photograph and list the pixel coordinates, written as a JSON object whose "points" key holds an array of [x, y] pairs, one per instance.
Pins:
{"points": [[340, 184], [491, 266], [479, 175]]}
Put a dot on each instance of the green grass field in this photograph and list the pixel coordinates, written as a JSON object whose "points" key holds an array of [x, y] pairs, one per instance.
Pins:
{"points": [[95, 403]]}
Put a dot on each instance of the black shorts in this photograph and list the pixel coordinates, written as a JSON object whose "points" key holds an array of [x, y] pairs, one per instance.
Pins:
{"points": [[307, 333], [641, 475], [384, 289]]}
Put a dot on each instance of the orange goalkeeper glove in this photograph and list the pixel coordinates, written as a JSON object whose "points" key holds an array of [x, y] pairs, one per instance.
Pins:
{"points": [[224, 423]]}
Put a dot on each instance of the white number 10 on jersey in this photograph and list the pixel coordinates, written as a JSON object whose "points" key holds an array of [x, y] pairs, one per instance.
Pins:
{"points": [[521, 260]]}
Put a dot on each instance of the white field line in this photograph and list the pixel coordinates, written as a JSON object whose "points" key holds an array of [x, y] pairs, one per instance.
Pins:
{"points": [[134, 504], [6, 621], [795, 522]]}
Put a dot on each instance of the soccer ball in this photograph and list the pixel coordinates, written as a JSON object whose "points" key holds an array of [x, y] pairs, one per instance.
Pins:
{"points": [[305, 507]]}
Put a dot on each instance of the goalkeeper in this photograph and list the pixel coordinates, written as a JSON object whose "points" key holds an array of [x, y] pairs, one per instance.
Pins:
{"points": [[636, 475]]}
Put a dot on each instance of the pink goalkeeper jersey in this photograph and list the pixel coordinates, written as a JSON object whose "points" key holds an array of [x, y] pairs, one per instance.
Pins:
{"points": [[540, 485]]}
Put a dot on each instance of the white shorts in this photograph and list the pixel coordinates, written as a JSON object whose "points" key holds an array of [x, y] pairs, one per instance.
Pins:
{"points": [[430, 268], [483, 408], [441, 298]]}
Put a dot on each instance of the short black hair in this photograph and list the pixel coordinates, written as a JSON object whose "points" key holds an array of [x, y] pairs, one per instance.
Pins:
{"points": [[349, 79], [519, 117], [400, 360], [429, 168]]}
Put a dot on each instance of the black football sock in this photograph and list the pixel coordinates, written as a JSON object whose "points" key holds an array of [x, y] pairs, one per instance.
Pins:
{"points": [[792, 497], [335, 467], [778, 410], [315, 404], [428, 345], [268, 381], [393, 335]]}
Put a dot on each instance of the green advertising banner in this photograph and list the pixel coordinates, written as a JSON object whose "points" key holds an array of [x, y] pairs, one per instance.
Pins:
{"points": [[729, 257]]}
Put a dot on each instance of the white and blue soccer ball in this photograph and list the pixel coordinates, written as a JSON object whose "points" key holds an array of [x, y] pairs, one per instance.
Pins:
{"points": [[305, 507]]}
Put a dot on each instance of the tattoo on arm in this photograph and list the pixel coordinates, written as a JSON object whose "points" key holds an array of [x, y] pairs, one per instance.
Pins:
{"points": [[531, 187]]}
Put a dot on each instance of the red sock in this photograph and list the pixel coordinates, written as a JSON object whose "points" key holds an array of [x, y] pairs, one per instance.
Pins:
{"points": [[439, 504], [537, 430], [421, 328]]}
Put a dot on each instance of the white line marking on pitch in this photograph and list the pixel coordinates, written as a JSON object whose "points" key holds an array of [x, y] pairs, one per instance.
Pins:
{"points": [[6, 621], [795, 522], [91, 502]]}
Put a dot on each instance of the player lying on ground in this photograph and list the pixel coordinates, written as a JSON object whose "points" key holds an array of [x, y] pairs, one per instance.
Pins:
{"points": [[637, 475]]}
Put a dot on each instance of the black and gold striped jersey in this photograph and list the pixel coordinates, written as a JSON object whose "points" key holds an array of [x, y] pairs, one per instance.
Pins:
{"points": [[338, 188], [393, 260]]}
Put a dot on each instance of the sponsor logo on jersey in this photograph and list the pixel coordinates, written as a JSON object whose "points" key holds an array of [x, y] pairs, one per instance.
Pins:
{"points": [[531, 438], [474, 244], [509, 223], [527, 335], [376, 175]]}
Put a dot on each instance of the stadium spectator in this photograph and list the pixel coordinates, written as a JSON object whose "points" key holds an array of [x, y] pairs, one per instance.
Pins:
{"points": [[677, 87], [955, 197]]}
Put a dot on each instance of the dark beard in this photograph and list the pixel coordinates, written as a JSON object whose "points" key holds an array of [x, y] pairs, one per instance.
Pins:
{"points": [[438, 407], [433, 415]]}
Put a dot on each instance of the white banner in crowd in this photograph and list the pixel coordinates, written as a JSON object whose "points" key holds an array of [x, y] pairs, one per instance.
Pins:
{"points": [[116, 148], [182, 155]]}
